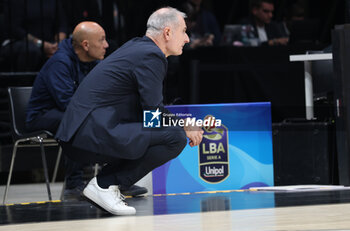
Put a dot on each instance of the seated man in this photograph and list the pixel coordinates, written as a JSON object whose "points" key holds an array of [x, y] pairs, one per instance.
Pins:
{"points": [[202, 26], [33, 30], [268, 32], [55, 85], [103, 122]]}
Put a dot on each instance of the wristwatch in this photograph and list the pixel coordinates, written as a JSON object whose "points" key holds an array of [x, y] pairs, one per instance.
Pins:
{"points": [[39, 42]]}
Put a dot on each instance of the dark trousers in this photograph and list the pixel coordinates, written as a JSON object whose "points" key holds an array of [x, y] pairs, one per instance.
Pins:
{"points": [[50, 121], [166, 144]]}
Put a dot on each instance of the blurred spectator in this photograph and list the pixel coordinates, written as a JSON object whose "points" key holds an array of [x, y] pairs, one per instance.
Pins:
{"points": [[202, 26], [34, 28], [297, 12], [303, 30], [78, 11], [104, 12], [268, 32]]}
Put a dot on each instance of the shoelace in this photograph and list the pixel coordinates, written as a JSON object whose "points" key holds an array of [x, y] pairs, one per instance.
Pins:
{"points": [[118, 194]]}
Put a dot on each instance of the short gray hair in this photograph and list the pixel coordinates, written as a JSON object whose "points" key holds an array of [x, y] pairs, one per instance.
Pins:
{"points": [[162, 18]]}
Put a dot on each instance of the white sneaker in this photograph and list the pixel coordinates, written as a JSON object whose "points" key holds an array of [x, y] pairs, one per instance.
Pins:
{"points": [[110, 199]]}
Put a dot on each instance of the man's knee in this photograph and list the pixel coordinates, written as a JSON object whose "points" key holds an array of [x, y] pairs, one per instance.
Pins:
{"points": [[178, 140]]}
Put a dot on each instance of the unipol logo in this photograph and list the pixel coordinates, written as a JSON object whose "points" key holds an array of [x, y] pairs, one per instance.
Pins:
{"points": [[213, 154], [214, 172]]}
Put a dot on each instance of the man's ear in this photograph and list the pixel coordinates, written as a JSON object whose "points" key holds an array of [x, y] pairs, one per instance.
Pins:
{"points": [[85, 45], [166, 33]]}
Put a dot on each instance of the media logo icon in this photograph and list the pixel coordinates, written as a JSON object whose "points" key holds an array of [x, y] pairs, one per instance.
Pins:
{"points": [[152, 118]]}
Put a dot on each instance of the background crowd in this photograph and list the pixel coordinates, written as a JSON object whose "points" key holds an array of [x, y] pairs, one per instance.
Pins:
{"points": [[32, 29]]}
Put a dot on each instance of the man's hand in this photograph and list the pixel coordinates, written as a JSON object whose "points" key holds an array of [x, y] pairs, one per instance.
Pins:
{"points": [[195, 134], [278, 41], [50, 48], [205, 41]]}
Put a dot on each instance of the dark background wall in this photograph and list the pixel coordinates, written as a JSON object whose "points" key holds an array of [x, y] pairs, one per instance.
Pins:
{"points": [[134, 14], [328, 12]]}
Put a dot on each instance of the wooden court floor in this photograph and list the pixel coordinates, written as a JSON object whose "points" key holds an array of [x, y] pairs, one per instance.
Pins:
{"points": [[237, 210]]}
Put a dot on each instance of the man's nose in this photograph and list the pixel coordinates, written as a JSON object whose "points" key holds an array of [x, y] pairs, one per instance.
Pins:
{"points": [[187, 39]]}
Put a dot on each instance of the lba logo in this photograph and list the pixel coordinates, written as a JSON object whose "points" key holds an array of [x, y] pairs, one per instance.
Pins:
{"points": [[151, 118]]}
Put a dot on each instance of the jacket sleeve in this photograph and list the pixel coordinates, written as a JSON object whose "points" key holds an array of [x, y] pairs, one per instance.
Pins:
{"points": [[61, 83], [149, 76]]}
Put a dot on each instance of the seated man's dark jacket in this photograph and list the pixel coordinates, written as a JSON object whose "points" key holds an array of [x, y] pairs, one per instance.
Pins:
{"points": [[273, 30], [56, 82], [105, 114]]}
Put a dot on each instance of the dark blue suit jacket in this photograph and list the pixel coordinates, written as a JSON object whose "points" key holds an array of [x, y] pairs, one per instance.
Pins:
{"points": [[105, 113]]}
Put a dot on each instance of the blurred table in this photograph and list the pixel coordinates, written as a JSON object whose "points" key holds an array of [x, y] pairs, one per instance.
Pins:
{"points": [[245, 74], [307, 59]]}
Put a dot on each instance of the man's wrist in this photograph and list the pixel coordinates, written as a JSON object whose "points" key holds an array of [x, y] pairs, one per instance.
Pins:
{"points": [[39, 43]]}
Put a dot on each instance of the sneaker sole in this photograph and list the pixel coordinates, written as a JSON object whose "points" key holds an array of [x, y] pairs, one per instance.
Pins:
{"points": [[93, 197], [136, 193]]}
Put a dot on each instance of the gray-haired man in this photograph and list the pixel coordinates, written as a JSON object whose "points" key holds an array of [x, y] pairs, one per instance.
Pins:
{"points": [[104, 119]]}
